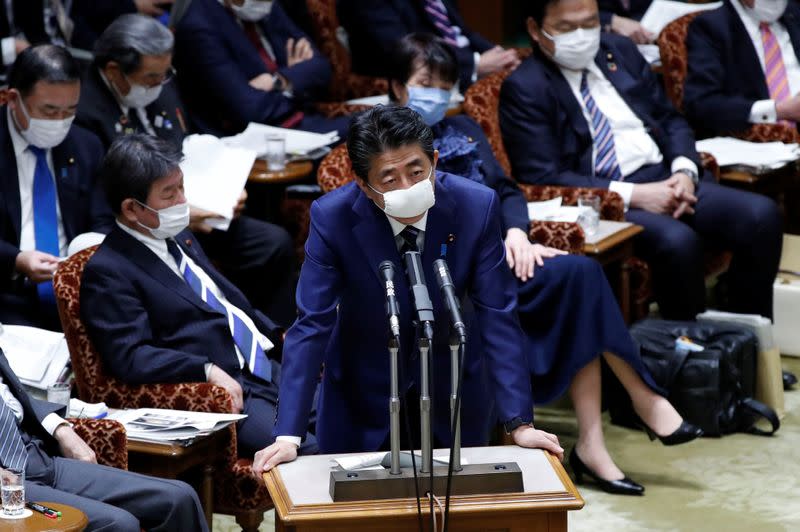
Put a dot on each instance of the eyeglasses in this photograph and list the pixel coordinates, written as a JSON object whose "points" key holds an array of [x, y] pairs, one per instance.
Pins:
{"points": [[153, 80]]}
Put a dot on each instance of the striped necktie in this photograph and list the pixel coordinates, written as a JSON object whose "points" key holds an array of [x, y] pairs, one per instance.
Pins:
{"points": [[774, 69], [45, 217], [245, 338], [605, 161], [437, 12], [409, 236], [13, 453]]}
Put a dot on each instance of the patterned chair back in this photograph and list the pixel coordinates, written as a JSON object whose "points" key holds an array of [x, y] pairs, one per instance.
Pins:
{"points": [[335, 170], [482, 103]]}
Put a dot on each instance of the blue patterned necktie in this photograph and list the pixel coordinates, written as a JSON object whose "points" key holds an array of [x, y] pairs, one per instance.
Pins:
{"points": [[45, 216], [409, 236], [605, 161], [244, 337], [13, 453]]}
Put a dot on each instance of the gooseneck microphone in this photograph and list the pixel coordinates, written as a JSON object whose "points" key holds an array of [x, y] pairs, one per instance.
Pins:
{"points": [[386, 271], [448, 289], [419, 291]]}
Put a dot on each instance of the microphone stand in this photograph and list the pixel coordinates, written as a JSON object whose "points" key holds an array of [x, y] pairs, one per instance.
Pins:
{"points": [[455, 406], [394, 409], [426, 446]]}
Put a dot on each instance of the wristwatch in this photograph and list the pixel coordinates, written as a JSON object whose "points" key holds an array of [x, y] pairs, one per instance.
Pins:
{"points": [[692, 174], [515, 423]]}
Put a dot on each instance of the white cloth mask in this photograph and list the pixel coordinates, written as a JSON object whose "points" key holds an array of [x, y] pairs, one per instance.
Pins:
{"points": [[44, 133], [140, 96], [409, 202], [767, 10], [253, 10], [171, 220], [576, 49]]}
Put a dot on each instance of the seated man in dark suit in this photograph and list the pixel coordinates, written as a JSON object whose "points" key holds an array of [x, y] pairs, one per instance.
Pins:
{"points": [[47, 174], [373, 29], [245, 61], [743, 66], [131, 88], [61, 468], [622, 17], [95, 16], [592, 114], [155, 307]]}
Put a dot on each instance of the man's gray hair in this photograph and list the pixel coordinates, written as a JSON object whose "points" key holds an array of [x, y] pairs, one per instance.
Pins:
{"points": [[130, 37]]}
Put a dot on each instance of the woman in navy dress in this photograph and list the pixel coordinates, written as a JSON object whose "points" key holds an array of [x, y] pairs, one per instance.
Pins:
{"points": [[566, 305]]}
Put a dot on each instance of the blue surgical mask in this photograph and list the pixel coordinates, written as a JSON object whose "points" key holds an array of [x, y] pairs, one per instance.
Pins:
{"points": [[431, 103]]}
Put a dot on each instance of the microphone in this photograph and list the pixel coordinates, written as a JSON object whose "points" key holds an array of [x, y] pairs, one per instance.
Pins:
{"points": [[445, 283], [386, 271], [419, 291]]}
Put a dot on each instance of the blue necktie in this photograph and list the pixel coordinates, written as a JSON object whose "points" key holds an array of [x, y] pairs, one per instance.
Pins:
{"points": [[13, 453], [244, 338], [606, 164], [45, 216]]}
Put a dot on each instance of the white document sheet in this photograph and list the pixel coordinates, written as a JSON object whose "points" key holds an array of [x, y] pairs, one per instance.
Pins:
{"points": [[650, 52], [729, 151], [37, 356], [553, 211], [662, 12], [254, 138], [214, 176]]}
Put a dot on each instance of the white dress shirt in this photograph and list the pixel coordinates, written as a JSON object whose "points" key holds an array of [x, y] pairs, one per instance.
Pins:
{"points": [[26, 166], [50, 423], [159, 247], [633, 145], [763, 111]]}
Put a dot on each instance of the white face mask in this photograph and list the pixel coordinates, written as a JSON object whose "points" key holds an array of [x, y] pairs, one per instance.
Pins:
{"points": [[139, 96], [767, 10], [171, 220], [409, 202], [577, 49], [44, 133], [253, 10]]}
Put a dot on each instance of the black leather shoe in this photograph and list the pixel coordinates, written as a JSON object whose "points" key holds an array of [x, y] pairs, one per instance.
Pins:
{"points": [[685, 433], [789, 380], [624, 486]]}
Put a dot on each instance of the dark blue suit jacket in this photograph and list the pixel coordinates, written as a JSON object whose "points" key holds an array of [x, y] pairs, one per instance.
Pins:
{"points": [[216, 61], [342, 320], [80, 198], [373, 29], [547, 137], [724, 76], [635, 10], [148, 324]]}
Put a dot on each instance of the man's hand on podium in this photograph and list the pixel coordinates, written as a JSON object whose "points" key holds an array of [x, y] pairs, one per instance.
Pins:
{"points": [[277, 453], [527, 436]]}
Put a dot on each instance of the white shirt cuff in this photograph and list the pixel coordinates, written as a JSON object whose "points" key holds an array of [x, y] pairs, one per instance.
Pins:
{"points": [[684, 163], [476, 59], [208, 366], [9, 46], [52, 422], [623, 189], [297, 440], [763, 112]]}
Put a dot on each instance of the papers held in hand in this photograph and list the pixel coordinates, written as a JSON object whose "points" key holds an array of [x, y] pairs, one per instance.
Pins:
{"points": [[163, 425], [37, 356], [662, 12]]}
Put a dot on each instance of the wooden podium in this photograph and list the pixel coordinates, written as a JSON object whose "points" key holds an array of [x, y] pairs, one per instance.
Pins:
{"points": [[299, 491]]}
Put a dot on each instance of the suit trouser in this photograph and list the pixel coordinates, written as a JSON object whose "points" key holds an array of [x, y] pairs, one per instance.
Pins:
{"points": [[747, 224], [114, 500]]}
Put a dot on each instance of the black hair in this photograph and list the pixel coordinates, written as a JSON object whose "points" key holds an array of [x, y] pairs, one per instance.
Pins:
{"points": [[133, 163], [537, 9], [422, 49], [45, 62], [385, 128]]}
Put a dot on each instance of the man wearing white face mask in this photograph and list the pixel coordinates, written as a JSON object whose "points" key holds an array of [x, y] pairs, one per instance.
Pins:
{"points": [[743, 66], [47, 173], [586, 110]]}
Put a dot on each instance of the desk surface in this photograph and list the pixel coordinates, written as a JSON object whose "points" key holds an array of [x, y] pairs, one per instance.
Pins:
{"points": [[294, 171], [72, 519], [612, 240]]}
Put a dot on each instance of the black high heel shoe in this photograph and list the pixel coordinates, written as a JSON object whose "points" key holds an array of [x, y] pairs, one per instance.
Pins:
{"points": [[683, 434], [624, 486]]}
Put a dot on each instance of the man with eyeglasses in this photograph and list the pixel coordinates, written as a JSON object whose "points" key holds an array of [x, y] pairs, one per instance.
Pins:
{"points": [[586, 110], [47, 175], [131, 89]]}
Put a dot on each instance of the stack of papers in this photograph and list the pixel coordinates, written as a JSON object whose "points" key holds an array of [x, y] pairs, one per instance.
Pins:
{"points": [[662, 12], [768, 155], [553, 211], [163, 425], [80, 409], [298, 143], [214, 176], [37, 356], [360, 462]]}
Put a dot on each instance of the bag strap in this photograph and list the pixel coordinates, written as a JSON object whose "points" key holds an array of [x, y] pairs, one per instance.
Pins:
{"points": [[759, 409]]}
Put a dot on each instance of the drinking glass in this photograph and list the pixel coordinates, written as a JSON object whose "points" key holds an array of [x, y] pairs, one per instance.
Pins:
{"points": [[59, 393], [12, 491], [589, 218], [276, 152]]}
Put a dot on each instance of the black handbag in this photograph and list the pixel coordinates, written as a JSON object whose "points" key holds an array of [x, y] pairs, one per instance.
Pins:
{"points": [[712, 388]]}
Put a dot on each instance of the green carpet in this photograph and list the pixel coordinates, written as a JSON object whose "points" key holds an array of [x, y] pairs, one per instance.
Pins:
{"points": [[735, 483]]}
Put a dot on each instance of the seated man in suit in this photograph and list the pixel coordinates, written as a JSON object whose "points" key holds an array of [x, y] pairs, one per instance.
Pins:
{"points": [[373, 29], [586, 110], [743, 66], [622, 17], [47, 174], [61, 468], [245, 61], [95, 16], [391, 209], [131, 88], [155, 307]]}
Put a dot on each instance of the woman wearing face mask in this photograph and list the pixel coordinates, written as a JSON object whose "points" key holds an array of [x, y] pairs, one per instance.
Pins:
{"points": [[566, 306]]}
